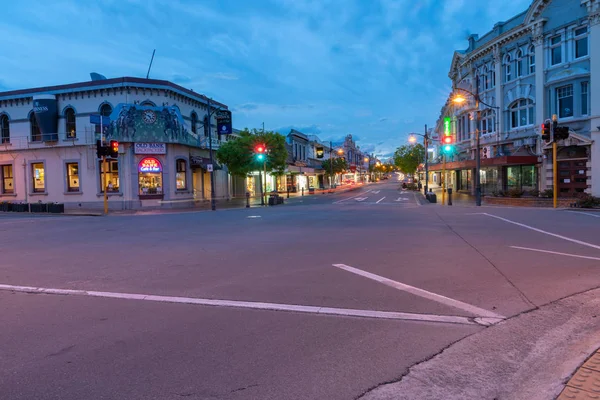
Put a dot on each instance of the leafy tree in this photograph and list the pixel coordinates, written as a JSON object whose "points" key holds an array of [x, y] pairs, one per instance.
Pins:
{"points": [[339, 165], [239, 156], [408, 157]]}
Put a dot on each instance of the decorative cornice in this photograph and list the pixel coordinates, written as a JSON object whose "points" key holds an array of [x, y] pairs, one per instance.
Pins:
{"points": [[535, 10], [593, 9], [537, 32]]}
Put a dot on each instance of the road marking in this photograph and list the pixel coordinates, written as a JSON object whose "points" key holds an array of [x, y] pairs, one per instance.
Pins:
{"points": [[349, 198], [253, 216], [417, 200], [361, 198], [480, 312], [377, 202], [375, 191], [347, 312], [401, 199], [590, 214], [556, 252], [544, 232]]}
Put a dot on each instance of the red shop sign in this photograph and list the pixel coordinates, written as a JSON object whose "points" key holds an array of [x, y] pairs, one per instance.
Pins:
{"points": [[149, 164]]}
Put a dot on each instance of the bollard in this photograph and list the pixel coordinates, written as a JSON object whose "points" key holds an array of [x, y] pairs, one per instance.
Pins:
{"points": [[247, 199], [288, 192], [303, 191], [449, 196]]}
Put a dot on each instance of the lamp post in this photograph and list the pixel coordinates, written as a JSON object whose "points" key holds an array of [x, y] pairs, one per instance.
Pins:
{"points": [[459, 99], [412, 139]]}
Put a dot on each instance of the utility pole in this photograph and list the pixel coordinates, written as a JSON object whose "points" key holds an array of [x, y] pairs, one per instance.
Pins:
{"points": [[426, 159], [105, 183], [208, 125], [554, 162]]}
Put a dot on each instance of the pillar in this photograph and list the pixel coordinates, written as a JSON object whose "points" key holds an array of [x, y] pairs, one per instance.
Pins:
{"points": [[540, 99], [593, 8]]}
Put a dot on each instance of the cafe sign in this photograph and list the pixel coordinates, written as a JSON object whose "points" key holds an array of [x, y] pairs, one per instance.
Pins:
{"points": [[149, 164], [150, 148]]}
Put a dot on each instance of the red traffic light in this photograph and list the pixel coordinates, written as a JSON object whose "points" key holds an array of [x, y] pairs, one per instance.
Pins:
{"points": [[114, 145], [259, 148], [447, 140]]}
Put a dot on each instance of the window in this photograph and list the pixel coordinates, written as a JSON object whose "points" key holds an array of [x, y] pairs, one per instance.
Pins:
{"points": [[105, 111], [150, 177], [39, 177], [519, 63], [36, 134], [581, 42], [194, 122], [180, 176], [507, 68], [584, 99], [72, 177], [112, 176], [555, 50], [487, 122], [521, 113], [532, 60], [486, 80], [493, 76], [564, 97], [4, 129], [7, 179], [70, 124]]}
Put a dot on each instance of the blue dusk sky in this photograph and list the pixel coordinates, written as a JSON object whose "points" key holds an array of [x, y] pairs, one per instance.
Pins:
{"points": [[376, 69]]}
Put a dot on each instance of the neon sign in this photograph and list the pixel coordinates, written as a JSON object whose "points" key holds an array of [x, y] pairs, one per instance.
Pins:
{"points": [[149, 164], [447, 126]]}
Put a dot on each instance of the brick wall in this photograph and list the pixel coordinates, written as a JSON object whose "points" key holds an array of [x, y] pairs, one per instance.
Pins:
{"points": [[528, 201]]}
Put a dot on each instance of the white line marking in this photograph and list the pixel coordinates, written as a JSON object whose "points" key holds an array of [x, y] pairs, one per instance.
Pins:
{"points": [[544, 232], [253, 216], [349, 198], [376, 191], [361, 198], [480, 312], [590, 214], [401, 199], [377, 202], [252, 305], [556, 252]]}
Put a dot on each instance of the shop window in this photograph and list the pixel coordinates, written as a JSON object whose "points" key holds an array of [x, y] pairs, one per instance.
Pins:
{"points": [[72, 177], [7, 179], [70, 124], [112, 176], [150, 177], [4, 129], [564, 97], [39, 177], [581, 42], [555, 50], [36, 134], [181, 174]]}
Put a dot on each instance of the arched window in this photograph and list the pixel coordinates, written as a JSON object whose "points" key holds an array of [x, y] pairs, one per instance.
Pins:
{"points": [[36, 134], [487, 122], [520, 71], [70, 124], [148, 103], [105, 111], [507, 68], [492, 75], [4, 129], [532, 60], [521, 113], [194, 122]]}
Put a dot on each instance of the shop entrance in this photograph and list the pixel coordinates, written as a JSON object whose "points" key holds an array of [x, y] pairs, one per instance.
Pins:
{"points": [[150, 178]]}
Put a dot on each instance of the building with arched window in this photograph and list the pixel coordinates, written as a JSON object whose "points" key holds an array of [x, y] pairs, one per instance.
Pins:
{"points": [[48, 145], [540, 63]]}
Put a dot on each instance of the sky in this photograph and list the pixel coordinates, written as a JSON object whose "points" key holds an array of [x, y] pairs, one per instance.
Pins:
{"points": [[376, 69]]}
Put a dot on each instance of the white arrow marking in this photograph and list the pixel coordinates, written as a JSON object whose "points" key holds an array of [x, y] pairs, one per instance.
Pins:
{"points": [[376, 191], [401, 199], [360, 198]]}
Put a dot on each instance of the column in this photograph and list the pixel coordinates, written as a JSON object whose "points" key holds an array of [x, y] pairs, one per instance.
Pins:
{"points": [[500, 121], [540, 100], [593, 7]]}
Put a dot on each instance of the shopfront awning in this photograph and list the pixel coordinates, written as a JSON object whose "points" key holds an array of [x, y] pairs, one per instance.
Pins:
{"points": [[293, 169], [487, 162], [202, 162]]}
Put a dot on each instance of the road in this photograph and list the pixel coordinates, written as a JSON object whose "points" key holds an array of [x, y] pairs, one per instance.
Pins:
{"points": [[326, 297]]}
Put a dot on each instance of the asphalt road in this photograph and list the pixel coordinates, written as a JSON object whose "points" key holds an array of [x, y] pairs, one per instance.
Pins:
{"points": [[326, 297]]}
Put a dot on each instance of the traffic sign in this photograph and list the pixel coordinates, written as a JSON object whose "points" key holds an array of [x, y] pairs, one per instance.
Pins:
{"points": [[209, 167]]}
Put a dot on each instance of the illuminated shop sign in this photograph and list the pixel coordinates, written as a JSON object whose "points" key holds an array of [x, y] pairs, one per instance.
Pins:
{"points": [[149, 164]]}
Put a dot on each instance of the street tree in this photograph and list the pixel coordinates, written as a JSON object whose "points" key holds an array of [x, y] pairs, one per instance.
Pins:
{"points": [[239, 156], [339, 166], [408, 157]]}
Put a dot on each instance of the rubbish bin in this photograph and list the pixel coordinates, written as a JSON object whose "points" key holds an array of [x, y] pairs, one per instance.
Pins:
{"points": [[432, 198]]}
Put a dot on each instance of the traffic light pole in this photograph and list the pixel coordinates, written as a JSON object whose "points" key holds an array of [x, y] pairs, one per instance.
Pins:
{"points": [[213, 205], [444, 179], [264, 185], [426, 160], [105, 185], [554, 174]]}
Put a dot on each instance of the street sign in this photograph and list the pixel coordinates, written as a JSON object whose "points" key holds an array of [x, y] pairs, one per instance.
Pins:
{"points": [[224, 122], [95, 119], [209, 167]]}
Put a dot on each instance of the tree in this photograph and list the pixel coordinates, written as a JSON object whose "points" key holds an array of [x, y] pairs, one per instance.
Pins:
{"points": [[339, 165], [408, 157], [239, 156]]}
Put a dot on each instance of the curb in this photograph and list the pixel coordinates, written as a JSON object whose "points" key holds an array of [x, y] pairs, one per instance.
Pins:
{"points": [[582, 385]]}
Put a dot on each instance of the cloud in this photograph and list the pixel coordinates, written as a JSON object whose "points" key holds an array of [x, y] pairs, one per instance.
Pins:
{"points": [[382, 119], [225, 76]]}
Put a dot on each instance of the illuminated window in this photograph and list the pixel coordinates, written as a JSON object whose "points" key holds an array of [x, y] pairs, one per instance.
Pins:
{"points": [[38, 177], [72, 177], [150, 177], [4, 129], [7, 179], [70, 124], [180, 175], [112, 176]]}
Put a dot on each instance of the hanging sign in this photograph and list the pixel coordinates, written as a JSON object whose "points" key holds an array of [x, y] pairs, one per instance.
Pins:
{"points": [[149, 164], [224, 122]]}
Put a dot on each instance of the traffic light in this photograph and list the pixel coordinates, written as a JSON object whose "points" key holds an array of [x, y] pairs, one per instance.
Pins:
{"points": [[447, 140], [260, 150], [561, 133], [546, 136], [448, 148], [113, 149], [100, 150]]}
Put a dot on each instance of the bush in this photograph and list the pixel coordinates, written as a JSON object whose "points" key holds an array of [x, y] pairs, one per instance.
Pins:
{"points": [[515, 192], [585, 200], [534, 193], [548, 193], [498, 193]]}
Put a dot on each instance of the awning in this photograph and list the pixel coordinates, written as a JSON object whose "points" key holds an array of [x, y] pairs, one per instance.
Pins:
{"points": [[487, 162], [203, 162], [293, 169]]}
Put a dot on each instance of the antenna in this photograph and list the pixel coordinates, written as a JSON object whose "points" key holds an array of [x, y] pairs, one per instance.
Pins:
{"points": [[150, 66]]}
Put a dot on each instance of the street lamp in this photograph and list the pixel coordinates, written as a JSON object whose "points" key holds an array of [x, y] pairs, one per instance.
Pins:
{"points": [[413, 139], [459, 99]]}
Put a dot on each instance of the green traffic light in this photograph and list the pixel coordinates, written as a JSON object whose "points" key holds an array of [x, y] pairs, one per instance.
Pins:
{"points": [[260, 157], [448, 148]]}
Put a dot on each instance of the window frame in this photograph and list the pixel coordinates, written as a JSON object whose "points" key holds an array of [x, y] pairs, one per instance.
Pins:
{"points": [[3, 178], [194, 122], [531, 60], [577, 38], [103, 107], [4, 129], [552, 46], [515, 110], [178, 162], [519, 66], [67, 176], [99, 176], [70, 126], [34, 191], [507, 68], [585, 98], [558, 99]]}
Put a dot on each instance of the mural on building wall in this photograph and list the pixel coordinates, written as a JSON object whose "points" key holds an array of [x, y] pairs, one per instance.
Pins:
{"points": [[136, 123]]}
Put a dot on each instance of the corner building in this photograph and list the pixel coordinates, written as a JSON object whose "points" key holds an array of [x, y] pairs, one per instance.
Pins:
{"points": [[543, 61], [48, 145]]}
